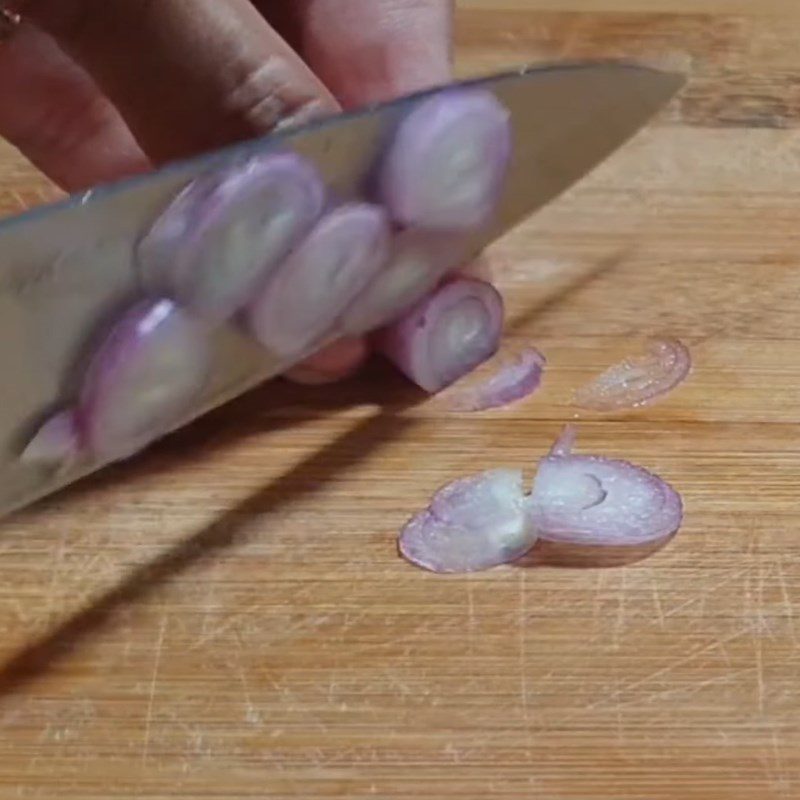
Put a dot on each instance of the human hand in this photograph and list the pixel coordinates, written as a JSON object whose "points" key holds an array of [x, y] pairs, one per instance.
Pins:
{"points": [[92, 90]]}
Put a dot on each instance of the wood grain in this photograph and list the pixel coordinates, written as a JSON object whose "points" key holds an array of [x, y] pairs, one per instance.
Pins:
{"points": [[227, 617]]}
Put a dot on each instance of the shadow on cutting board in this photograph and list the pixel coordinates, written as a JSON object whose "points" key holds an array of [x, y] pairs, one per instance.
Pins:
{"points": [[574, 556], [229, 528]]}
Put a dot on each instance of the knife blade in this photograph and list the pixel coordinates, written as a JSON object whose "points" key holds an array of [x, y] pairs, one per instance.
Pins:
{"points": [[66, 268]]}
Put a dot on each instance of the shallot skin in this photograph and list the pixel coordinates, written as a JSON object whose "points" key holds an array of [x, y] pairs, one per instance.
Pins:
{"points": [[220, 238], [448, 162], [446, 335]]}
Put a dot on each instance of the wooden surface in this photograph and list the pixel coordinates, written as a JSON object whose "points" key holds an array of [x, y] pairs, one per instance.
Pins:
{"points": [[227, 618]]}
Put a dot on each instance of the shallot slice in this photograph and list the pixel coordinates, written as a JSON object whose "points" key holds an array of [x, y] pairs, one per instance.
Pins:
{"points": [[304, 298], [512, 381], [485, 520], [56, 443], [592, 500], [638, 380], [418, 261], [446, 335], [226, 232], [155, 360], [449, 160], [472, 524]]}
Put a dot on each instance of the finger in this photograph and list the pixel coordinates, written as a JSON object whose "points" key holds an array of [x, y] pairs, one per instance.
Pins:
{"points": [[373, 50], [54, 113], [187, 75], [339, 360]]}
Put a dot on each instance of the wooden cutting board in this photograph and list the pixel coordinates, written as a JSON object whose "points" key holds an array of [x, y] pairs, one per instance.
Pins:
{"points": [[226, 617]]}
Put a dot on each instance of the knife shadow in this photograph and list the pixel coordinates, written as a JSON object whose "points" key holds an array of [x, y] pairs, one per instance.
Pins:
{"points": [[347, 450]]}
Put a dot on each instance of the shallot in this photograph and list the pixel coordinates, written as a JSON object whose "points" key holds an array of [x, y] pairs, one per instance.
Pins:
{"points": [[56, 443], [472, 524], [514, 380], [446, 335], [150, 367], [600, 501], [486, 520], [418, 262], [305, 296], [638, 380], [448, 162], [222, 236]]}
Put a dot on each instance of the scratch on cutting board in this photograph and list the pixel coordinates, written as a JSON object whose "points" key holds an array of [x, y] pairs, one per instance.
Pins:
{"points": [[788, 607], [610, 700], [152, 695], [619, 624], [759, 671], [656, 698], [251, 713], [657, 600], [707, 592], [470, 618], [55, 572], [228, 623], [782, 782], [523, 658]]}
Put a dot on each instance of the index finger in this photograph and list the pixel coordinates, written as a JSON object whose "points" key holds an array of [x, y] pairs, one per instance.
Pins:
{"points": [[186, 75]]}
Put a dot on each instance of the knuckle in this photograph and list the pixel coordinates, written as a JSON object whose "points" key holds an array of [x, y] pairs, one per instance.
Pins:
{"points": [[267, 96]]}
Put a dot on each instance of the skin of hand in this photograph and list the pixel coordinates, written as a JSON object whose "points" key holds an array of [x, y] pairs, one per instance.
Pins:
{"points": [[92, 91]]}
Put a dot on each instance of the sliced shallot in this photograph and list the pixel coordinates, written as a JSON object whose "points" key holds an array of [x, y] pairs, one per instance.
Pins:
{"points": [[638, 380], [418, 261], [485, 520], [472, 524], [143, 376], [306, 295], [447, 334], [449, 160], [224, 233], [513, 380], [593, 500], [56, 443]]}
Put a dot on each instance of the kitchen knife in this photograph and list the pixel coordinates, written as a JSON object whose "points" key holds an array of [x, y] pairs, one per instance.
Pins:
{"points": [[66, 268]]}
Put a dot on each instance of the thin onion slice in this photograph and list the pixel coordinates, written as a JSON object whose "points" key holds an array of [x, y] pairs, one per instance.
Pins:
{"points": [[446, 335], [472, 524], [55, 444], [638, 380], [153, 363], [304, 298], [592, 500], [449, 160], [226, 232], [418, 262], [513, 380]]}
